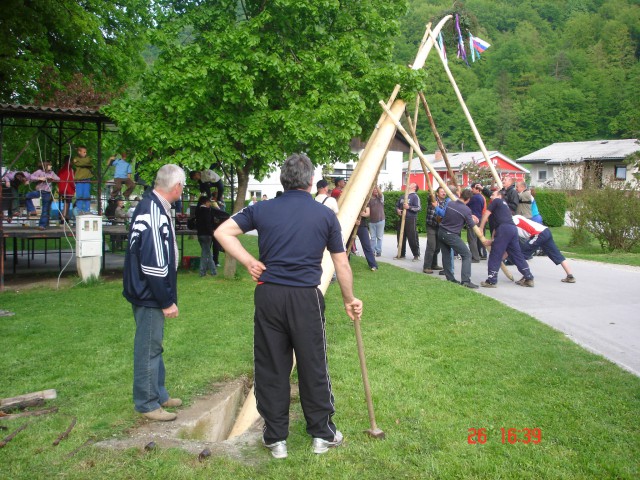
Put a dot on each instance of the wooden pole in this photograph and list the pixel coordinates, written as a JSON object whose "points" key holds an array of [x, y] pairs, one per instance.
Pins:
{"points": [[466, 112], [27, 400], [437, 177], [415, 139], [443, 150]]}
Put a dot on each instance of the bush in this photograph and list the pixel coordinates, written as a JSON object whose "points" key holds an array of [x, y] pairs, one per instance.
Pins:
{"points": [[611, 214], [552, 205], [580, 236], [392, 218]]}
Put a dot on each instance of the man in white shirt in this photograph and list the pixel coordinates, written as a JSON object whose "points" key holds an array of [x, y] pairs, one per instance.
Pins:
{"points": [[537, 236], [324, 198]]}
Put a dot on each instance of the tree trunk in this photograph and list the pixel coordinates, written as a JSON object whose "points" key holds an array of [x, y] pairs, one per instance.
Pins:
{"points": [[230, 263]]}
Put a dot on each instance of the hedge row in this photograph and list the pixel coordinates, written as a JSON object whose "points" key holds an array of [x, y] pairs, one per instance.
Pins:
{"points": [[552, 205]]}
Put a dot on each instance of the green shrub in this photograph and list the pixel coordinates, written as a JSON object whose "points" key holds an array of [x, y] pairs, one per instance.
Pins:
{"points": [[392, 218], [611, 214], [580, 236], [552, 205]]}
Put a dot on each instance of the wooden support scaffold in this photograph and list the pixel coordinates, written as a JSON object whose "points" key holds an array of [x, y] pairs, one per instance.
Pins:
{"points": [[364, 177]]}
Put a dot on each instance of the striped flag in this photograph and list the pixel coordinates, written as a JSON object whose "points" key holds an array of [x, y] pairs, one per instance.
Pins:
{"points": [[480, 45]]}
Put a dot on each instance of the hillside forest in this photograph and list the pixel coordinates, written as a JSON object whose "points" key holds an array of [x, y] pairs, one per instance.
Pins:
{"points": [[556, 71]]}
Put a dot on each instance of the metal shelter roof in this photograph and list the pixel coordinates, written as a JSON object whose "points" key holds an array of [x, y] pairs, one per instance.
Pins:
{"points": [[53, 113], [564, 152]]}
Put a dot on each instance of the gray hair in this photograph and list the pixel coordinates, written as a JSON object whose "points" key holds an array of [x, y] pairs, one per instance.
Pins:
{"points": [[168, 177], [297, 172]]}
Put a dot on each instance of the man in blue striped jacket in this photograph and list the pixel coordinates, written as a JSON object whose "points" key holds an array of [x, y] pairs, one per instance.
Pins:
{"points": [[150, 285]]}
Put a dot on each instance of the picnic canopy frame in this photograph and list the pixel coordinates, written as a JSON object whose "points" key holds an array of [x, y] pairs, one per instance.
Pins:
{"points": [[60, 126]]}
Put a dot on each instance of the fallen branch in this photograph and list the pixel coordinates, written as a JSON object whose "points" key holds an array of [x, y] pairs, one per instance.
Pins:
{"points": [[35, 402], [66, 433], [88, 442], [34, 413], [7, 439]]}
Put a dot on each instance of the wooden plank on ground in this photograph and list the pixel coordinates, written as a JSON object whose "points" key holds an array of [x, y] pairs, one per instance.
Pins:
{"points": [[27, 400]]}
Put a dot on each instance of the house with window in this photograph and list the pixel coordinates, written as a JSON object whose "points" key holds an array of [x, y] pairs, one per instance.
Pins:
{"points": [[458, 160], [390, 176], [568, 165]]}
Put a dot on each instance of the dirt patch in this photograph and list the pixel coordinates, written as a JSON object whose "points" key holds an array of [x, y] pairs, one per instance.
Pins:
{"points": [[48, 280]]}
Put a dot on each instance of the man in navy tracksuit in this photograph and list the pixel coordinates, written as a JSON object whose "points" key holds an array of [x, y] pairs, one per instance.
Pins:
{"points": [[150, 285], [293, 232], [505, 238]]}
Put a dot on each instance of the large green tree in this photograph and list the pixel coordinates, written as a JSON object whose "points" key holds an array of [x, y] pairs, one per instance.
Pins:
{"points": [[45, 43], [248, 82]]}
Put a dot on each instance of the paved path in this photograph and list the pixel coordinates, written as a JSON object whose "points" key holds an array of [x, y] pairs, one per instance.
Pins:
{"points": [[601, 311]]}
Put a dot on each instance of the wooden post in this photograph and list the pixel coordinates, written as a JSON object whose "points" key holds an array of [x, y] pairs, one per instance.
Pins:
{"points": [[438, 139], [26, 400], [415, 139], [407, 181]]}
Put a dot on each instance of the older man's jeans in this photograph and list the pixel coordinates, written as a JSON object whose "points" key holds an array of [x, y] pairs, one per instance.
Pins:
{"points": [[148, 367]]}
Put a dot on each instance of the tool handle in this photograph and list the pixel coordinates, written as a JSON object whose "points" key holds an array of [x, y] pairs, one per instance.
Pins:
{"points": [[365, 375]]}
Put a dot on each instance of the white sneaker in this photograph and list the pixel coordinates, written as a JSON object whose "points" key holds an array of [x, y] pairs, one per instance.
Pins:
{"points": [[278, 449], [321, 446]]}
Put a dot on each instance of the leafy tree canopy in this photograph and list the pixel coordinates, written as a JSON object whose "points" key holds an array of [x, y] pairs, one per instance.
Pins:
{"points": [[44, 44], [248, 82]]}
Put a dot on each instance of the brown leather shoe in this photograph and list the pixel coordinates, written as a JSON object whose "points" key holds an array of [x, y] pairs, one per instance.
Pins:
{"points": [[172, 403], [159, 415]]}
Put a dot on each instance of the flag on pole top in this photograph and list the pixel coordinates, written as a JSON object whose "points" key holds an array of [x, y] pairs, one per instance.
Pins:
{"points": [[480, 45]]}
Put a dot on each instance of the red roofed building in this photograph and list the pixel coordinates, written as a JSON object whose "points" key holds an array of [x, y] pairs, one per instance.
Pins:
{"points": [[503, 164]]}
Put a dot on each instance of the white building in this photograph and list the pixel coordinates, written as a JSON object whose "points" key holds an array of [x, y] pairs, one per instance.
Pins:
{"points": [[564, 165], [390, 174]]}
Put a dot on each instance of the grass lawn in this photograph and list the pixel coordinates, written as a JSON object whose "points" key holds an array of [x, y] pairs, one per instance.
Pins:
{"points": [[442, 360]]}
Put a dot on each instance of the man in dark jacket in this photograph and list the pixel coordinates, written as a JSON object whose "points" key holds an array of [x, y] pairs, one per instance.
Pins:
{"points": [[412, 207], [150, 285], [477, 205], [511, 194], [456, 216]]}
